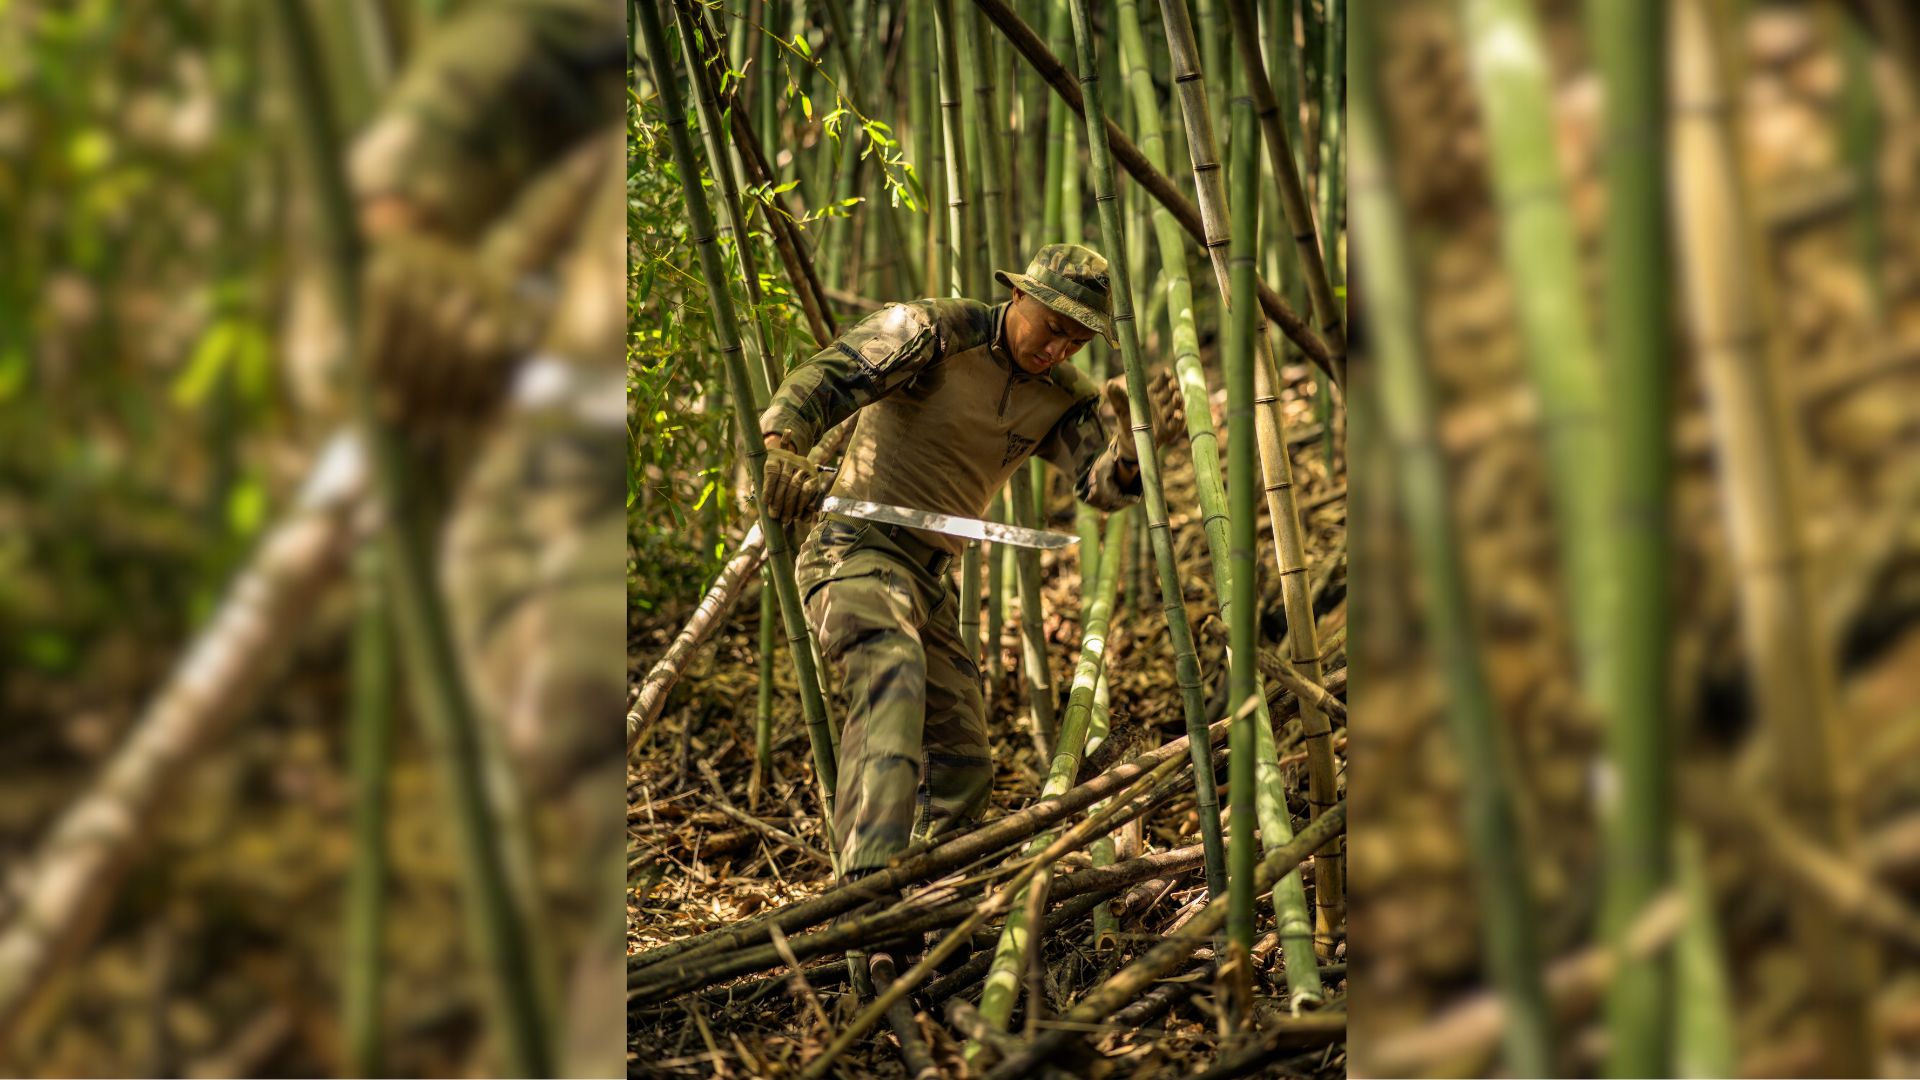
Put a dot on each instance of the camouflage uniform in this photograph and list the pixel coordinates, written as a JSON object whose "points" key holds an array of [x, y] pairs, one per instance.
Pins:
{"points": [[946, 416]]}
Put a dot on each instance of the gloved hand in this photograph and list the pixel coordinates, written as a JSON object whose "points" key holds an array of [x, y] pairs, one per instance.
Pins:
{"points": [[1164, 405], [438, 330], [790, 487]]}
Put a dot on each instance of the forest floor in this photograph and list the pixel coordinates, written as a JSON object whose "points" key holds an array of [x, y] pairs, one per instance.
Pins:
{"points": [[693, 867]]}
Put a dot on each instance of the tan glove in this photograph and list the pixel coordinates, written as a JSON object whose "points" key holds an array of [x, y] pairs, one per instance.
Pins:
{"points": [[790, 487], [438, 330], [1167, 412]]}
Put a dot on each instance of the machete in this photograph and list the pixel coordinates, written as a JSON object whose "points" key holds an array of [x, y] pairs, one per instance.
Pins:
{"points": [[971, 528]]}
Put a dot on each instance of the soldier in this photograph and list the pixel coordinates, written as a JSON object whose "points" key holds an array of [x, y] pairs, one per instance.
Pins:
{"points": [[954, 395]]}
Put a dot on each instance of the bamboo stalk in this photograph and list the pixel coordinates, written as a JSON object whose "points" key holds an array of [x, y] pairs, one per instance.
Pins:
{"points": [[763, 704], [1003, 977], [1106, 928], [1541, 253], [769, 371], [1638, 318], [1172, 598], [1236, 973], [1407, 425], [779, 546], [1275, 464], [1033, 637], [369, 753], [497, 931], [1762, 476], [1156, 183], [996, 591], [1314, 264]]}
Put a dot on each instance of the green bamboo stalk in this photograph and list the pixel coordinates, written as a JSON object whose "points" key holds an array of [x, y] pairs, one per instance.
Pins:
{"points": [[921, 129], [1640, 1007], [1003, 976], [989, 118], [768, 372], [763, 709], [1303, 650], [1407, 426], [370, 753], [940, 248], [1059, 138], [1542, 258], [1242, 631], [1763, 474], [1106, 928], [498, 934], [1033, 638], [1705, 1042], [1293, 197], [1186, 664], [996, 589], [1333, 76], [962, 150], [1860, 145], [726, 327], [1289, 895]]}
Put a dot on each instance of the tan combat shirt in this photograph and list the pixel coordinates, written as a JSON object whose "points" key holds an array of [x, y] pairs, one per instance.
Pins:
{"points": [[945, 413]]}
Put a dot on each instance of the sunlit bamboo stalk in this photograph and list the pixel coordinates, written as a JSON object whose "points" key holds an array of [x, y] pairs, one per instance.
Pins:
{"points": [[1640, 369], [1406, 424], [1003, 977]]}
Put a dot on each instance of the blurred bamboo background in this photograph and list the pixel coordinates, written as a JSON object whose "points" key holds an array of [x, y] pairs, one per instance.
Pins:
{"points": [[1637, 321]]}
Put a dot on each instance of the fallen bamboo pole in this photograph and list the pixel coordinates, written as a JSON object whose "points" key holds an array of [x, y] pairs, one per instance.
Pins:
{"points": [[1135, 979], [947, 857], [996, 904]]}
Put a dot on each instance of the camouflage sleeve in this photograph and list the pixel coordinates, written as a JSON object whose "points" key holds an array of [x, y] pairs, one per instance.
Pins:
{"points": [[872, 359], [497, 93], [1081, 446]]}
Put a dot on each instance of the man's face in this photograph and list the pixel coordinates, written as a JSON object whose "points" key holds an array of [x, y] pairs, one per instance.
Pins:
{"points": [[1039, 337]]}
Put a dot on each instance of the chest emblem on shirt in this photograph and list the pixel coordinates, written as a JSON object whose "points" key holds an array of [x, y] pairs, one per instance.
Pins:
{"points": [[1017, 445]]}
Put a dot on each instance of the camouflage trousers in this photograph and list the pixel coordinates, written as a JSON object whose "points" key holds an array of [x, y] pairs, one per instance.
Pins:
{"points": [[914, 760]]}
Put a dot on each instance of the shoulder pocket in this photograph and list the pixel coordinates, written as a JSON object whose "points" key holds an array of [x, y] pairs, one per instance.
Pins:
{"points": [[888, 340]]}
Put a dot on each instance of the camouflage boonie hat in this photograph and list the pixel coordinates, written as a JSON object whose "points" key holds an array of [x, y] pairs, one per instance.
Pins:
{"points": [[1072, 280]]}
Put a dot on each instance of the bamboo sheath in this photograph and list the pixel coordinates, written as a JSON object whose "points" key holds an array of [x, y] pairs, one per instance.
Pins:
{"points": [[1763, 477], [996, 1001], [1407, 426], [1135, 979], [1289, 896], [1172, 597], [1155, 182], [1276, 465], [779, 546]]}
